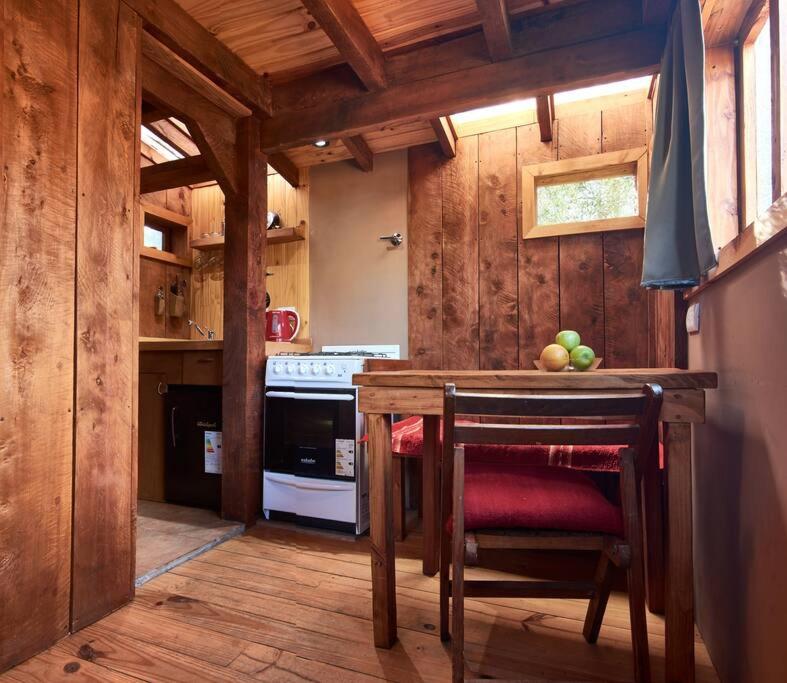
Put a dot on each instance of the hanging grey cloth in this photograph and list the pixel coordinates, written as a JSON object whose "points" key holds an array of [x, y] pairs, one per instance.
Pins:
{"points": [[678, 245]]}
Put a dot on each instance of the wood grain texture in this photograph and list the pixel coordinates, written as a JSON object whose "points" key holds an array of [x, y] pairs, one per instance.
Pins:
{"points": [[626, 322], [103, 556], [425, 257], [497, 31], [172, 174], [497, 245], [38, 51], [362, 154], [581, 256], [460, 257], [244, 330], [446, 135], [152, 276]]}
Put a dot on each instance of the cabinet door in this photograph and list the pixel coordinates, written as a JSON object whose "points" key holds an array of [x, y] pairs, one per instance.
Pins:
{"points": [[152, 277], [152, 435], [177, 326]]}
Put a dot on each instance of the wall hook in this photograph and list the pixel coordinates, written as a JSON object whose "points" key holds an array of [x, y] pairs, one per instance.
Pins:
{"points": [[396, 239]]}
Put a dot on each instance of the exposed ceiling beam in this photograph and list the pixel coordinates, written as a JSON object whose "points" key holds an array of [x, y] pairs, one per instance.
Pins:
{"points": [[497, 30], [546, 114], [551, 28], [348, 32], [625, 55], [211, 128], [175, 137], [446, 135], [174, 174], [364, 157], [657, 11], [151, 113], [282, 164], [183, 34]]}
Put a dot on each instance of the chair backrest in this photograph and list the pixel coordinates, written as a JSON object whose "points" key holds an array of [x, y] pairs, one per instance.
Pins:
{"points": [[635, 418]]}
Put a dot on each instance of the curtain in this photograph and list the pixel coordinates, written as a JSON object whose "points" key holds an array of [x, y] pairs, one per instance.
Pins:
{"points": [[678, 245]]}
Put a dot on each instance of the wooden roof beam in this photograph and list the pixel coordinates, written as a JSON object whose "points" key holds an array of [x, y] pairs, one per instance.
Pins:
{"points": [[283, 165], [185, 36], [348, 32], [545, 113], [446, 135], [176, 173], [657, 11], [625, 55], [363, 155], [174, 137], [497, 30]]}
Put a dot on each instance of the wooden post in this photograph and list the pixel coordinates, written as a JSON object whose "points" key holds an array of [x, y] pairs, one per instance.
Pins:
{"points": [[244, 329], [106, 345]]}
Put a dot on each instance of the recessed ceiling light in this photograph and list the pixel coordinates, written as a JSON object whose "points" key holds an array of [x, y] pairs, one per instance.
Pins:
{"points": [[321, 143]]}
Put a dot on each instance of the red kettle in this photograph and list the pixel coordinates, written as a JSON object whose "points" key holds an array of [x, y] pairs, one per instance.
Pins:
{"points": [[282, 324]]}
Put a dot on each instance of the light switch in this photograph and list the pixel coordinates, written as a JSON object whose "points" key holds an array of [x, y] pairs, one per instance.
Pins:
{"points": [[693, 319]]}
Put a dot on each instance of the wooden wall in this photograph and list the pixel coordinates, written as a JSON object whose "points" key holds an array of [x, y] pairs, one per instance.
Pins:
{"points": [[287, 264], [38, 115], [479, 295]]}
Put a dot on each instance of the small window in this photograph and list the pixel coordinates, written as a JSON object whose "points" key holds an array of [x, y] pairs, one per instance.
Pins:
{"points": [[755, 124], [588, 194], [155, 238]]}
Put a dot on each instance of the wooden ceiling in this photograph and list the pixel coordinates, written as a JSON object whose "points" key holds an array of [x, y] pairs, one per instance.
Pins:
{"points": [[282, 39]]}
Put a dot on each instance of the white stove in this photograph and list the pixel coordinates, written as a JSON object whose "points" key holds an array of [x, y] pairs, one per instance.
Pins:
{"points": [[315, 470]]}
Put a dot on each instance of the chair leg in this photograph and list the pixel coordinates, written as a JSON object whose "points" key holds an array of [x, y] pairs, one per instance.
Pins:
{"points": [[458, 571], [445, 591], [598, 603], [632, 523], [400, 510]]}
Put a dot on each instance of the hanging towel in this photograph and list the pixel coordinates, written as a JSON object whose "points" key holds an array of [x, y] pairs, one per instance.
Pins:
{"points": [[678, 245]]}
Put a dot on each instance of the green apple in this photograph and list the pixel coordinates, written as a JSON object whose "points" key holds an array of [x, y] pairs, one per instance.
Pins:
{"points": [[582, 357], [568, 339]]}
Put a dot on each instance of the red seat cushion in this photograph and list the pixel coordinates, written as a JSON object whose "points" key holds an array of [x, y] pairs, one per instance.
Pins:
{"points": [[506, 496]]}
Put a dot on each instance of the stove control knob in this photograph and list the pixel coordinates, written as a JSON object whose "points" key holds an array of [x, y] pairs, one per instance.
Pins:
{"points": [[316, 369], [303, 368], [290, 368], [329, 369], [277, 368]]}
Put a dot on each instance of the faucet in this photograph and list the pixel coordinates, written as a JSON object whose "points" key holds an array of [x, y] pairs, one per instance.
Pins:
{"points": [[209, 333]]}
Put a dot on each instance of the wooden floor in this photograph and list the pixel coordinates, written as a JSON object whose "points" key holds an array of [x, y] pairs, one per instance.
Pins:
{"points": [[282, 605], [167, 533]]}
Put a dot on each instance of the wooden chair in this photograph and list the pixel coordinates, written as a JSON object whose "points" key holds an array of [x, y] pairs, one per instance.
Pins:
{"points": [[534, 507]]}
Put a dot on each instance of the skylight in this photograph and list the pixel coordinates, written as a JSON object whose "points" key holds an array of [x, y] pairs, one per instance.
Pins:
{"points": [[497, 110], [161, 146]]}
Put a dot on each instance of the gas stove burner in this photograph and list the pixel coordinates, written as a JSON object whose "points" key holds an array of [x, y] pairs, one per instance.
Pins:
{"points": [[333, 354]]}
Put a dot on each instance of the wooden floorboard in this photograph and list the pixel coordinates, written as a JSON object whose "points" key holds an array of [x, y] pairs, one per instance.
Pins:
{"points": [[278, 604]]}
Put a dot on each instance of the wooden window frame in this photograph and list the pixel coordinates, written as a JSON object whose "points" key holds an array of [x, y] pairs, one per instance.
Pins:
{"points": [[610, 164]]}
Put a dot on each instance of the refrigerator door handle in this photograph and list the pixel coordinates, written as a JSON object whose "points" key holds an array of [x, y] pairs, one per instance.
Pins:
{"points": [[172, 426]]}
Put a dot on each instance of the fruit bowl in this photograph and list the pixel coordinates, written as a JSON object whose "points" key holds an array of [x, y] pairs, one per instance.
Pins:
{"points": [[540, 366]]}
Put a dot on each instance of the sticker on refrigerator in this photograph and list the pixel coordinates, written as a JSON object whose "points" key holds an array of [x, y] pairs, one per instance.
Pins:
{"points": [[212, 452], [345, 457]]}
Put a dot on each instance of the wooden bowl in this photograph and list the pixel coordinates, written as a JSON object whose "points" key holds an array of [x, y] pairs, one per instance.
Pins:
{"points": [[540, 366]]}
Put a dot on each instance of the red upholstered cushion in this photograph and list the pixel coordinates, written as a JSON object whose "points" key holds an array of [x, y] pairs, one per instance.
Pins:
{"points": [[505, 496]]}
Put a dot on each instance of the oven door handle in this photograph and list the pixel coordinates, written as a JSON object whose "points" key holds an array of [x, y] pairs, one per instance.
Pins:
{"points": [[310, 396], [308, 486]]}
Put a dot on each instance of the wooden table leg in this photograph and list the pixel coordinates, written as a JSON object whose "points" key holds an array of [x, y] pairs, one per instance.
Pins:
{"points": [[653, 516], [381, 529], [430, 491], [679, 626]]}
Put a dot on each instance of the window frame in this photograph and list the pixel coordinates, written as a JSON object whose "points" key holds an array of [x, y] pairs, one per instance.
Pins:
{"points": [[632, 161]]}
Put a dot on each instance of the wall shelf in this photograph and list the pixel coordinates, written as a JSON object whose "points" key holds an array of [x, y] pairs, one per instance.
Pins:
{"points": [[165, 256], [169, 218], [278, 236]]}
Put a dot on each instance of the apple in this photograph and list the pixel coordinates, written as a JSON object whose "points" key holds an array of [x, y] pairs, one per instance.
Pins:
{"points": [[554, 357], [568, 339], [582, 357]]}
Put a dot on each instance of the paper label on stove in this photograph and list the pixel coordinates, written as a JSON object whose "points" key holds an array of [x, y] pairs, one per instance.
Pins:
{"points": [[212, 452], [345, 457]]}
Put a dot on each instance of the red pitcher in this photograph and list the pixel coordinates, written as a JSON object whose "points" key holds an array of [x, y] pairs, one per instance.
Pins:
{"points": [[282, 324]]}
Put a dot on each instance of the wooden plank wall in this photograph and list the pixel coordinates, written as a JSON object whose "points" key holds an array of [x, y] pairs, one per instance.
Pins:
{"points": [[479, 295], [107, 230], [38, 113], [288, 264]]}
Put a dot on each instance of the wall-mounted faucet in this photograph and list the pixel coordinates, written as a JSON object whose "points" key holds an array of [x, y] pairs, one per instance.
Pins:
{"points": [[209, 333]]}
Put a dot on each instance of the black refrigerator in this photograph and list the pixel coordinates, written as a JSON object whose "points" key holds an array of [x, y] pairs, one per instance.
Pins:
{"points": [[192, 463]]}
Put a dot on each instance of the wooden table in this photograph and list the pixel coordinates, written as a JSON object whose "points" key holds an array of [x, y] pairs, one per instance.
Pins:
{"points": [[420, 392]]}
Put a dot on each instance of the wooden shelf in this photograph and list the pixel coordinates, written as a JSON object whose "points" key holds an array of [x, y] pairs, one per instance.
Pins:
{"points": [[165, 216], [165, 256], [206, 243], [278, 236]]}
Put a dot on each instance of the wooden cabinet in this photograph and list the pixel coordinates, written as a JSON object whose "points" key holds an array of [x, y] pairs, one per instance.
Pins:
{"points": [[155, 276], [202, 367], [177, 327]]}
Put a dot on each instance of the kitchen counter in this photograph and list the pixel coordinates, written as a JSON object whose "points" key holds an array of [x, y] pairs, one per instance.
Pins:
{"points": [[271, 348]]}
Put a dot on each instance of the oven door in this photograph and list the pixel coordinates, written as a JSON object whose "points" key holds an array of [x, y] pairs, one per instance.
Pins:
{"points": [[311, 432]]}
